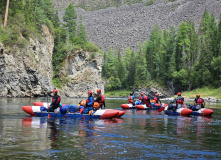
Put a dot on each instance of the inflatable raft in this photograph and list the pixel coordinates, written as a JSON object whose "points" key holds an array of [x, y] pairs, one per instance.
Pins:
{"points": [[128, 106], [154, 106], [203, 112], [184, 111], [70, 111]]}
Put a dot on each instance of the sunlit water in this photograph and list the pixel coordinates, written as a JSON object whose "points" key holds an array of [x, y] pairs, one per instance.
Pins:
{"points": [[137, 135]]}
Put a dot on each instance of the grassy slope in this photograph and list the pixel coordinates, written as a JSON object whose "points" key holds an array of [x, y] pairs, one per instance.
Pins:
{"points": [[204, 92]]}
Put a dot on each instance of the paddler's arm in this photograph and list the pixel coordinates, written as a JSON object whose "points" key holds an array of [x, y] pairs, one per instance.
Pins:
{"points": [[49, 94], [91, 101], [104, 104]]}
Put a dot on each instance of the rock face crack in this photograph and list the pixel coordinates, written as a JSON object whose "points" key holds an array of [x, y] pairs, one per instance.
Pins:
{"points": [[83, 74], [23, 72]]}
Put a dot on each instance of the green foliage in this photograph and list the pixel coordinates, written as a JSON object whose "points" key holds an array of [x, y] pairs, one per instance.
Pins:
{"points": [[204, 92], [90, 47], [70, 17], [117, 93], [189, 59], [92, 56], [113, 84], [149, 2], [82, 34]]}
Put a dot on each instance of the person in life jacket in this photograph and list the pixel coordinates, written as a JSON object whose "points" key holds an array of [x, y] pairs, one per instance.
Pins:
{"points": [[100, 99], [157, 99], [131, 99], [141, 96], [89, 103], [198, 103], [146, 100], [179, 102], [56, 99]]}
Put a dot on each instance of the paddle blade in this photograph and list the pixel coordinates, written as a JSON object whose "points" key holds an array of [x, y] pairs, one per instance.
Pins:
{"points": [[161, 109], [81, 110]]}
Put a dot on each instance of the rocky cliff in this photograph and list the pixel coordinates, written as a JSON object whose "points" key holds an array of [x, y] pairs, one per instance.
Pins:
{"points": [[83, 72], [125, 26], [27, 70]]}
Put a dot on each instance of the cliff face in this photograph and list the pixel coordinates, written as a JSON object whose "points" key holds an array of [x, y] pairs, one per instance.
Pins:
{"points": [[83, 72], [27, 71], [127, 25]]}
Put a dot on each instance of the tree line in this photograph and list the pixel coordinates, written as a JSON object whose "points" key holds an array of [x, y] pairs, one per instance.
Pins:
{"points": [[187, 57]]}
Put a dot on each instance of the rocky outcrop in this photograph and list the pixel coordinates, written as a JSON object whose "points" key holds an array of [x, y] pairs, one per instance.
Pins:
{"points": [[163, 92], [27, 70], [128, 25], [83, 73]]}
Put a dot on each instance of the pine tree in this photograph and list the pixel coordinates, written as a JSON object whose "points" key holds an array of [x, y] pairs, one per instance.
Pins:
{"points": [[70, 17], [82, 34]]}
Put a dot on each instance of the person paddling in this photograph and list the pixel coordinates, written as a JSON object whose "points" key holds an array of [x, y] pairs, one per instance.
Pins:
{"points": [[157, 99], [100, 99], [88, 106], [179, 102], [131, 99], [55, 101], [198, 103]]}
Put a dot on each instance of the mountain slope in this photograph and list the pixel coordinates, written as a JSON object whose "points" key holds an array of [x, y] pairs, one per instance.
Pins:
{"points": [[127, 25]]}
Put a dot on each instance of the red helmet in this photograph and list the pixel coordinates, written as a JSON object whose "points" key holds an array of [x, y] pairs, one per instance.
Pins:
{"points": [[89, 92], [142, 94], [156, 94], [179, 94], [55, 90], [99, 90]]}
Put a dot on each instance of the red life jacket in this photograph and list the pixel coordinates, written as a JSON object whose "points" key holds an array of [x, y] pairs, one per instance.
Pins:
{"points": [[146, 101], [199, 101], [58, 100], [180, 100], [156, 99], [101, 102], [131, 100], [140, 98]]}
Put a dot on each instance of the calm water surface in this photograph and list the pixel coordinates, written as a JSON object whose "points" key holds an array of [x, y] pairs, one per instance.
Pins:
{"points": [[137, 135]]}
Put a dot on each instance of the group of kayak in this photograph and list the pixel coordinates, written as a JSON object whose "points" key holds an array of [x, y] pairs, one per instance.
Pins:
{"points": [[87, 108], [176, 106]]}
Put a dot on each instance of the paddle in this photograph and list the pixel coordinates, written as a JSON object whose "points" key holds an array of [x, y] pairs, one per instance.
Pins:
{"points": [[161, 109], [47, 104]]}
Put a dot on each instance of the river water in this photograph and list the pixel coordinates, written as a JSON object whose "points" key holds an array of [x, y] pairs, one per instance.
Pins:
{"points": [[137, 135]]}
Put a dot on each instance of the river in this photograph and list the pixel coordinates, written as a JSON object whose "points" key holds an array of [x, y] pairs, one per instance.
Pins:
{"points": [[137, 135]]}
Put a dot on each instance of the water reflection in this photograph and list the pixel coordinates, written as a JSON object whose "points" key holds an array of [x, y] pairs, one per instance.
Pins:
{"points": [[138, 135]]}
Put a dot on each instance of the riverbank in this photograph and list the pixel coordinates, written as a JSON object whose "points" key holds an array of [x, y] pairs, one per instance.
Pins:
{"points": [[208, 94], [207, 99]]}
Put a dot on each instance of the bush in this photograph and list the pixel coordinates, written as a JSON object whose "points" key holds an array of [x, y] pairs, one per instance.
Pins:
{"points": [[149, 2], [90, 47], [92, 56]]}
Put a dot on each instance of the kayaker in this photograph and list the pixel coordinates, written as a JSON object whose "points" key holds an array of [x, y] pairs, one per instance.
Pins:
{"points": [[179, 102], [156, 98], [55, 101], [88, 106], [198, 103], [131, 99], [100, 99], [146, 100]]}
